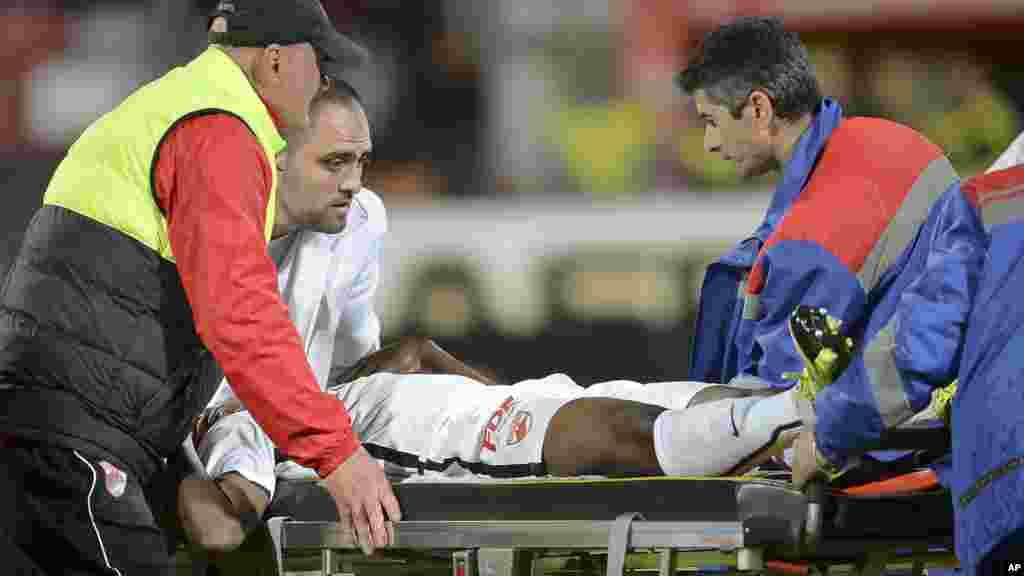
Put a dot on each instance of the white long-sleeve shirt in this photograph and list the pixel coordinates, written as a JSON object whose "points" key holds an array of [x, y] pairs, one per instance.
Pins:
{"points": [[329, 283]]}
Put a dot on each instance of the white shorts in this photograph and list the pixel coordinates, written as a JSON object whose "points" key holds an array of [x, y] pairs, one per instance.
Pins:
{"points": [[435, 424]]}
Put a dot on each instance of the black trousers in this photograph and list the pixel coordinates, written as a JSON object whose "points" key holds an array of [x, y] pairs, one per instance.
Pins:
{"points": [[63, 512]]}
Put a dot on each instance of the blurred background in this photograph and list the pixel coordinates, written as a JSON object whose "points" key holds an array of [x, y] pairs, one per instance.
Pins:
{"points": [[551, 205]]}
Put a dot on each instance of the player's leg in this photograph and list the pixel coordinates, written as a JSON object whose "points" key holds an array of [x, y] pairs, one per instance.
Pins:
{"points": [[712, 432], [608, 428], [726, 436], [604, 436], [614, 437], [218, 508]]}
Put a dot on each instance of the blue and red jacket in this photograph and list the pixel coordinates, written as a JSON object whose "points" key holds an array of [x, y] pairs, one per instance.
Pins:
{"points": [[913, 340], [987, 478], [928, 340], [863, 207]]}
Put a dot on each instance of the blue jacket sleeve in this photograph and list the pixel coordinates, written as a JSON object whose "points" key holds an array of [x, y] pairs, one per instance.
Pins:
{"points": [[914, 337], [795, 272]]}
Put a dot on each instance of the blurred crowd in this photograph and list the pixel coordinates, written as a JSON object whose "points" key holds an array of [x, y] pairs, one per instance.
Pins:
{"points": [[477, 99], [523, 99]]}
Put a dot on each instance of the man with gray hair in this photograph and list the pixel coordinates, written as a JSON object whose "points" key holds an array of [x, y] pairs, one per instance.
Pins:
{"points": [[862, 206]]}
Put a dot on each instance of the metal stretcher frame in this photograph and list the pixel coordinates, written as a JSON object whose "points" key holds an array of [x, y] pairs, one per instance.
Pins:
{"points": [[749, 523], [512, 548], [768, 526], [494, 541]]}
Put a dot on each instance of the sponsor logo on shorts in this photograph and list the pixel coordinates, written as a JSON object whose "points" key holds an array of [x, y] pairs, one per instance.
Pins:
{"points": [[114, 479], [519, 428], [496, 423]]}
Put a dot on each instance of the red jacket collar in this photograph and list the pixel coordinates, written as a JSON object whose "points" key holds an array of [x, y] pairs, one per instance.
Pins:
{"points": [[273, 115]]}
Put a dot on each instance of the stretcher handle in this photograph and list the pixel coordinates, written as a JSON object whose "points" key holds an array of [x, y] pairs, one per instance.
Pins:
{"points": [[816, 491]]}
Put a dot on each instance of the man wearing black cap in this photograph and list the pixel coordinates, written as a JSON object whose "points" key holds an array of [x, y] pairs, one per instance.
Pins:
{"points": [[144, 279]]}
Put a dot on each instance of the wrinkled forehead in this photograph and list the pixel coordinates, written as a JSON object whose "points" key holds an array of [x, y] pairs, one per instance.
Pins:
{"points": [[342, 127]]}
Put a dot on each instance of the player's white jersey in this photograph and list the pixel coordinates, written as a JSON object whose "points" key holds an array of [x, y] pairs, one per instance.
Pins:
{"points": [[455, 425], [435, 424]]}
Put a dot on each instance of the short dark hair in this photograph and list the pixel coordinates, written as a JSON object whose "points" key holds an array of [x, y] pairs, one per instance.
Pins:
{"points": [[338, 91], [754, 53]]}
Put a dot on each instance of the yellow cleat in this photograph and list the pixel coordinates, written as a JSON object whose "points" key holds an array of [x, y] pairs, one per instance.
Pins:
{"points": [[942, 398], [826, 352]]}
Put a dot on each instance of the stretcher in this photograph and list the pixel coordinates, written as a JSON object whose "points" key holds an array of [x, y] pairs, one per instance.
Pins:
{"points": [[753, 524]]}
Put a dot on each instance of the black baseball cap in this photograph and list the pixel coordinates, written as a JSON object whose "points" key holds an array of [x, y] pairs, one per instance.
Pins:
{"points": [[265, 22]]}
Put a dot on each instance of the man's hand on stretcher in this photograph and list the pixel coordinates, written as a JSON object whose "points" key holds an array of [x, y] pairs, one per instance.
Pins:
{"points": [[365, 500], [359, 486], [414, 355]]}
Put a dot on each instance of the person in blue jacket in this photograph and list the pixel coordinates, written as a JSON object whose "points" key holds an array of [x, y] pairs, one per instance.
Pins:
{"points": [[862, 205], [988, 407], [987, 414]]}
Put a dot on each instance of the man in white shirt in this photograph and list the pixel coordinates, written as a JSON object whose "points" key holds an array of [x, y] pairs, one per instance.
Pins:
{"points": [[330, 228]]}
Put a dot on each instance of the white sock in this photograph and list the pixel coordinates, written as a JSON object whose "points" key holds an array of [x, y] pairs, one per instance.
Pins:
{"points": [[710, 439]]}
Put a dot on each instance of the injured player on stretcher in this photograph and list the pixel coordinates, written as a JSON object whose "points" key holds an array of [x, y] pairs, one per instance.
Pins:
{"points": [[437, 426], [450, 422], [450, 425]]}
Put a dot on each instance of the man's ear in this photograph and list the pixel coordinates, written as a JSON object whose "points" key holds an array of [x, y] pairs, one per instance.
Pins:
{"points": [[281, 160], [272, 57], [762, 108], [219, 24]]}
